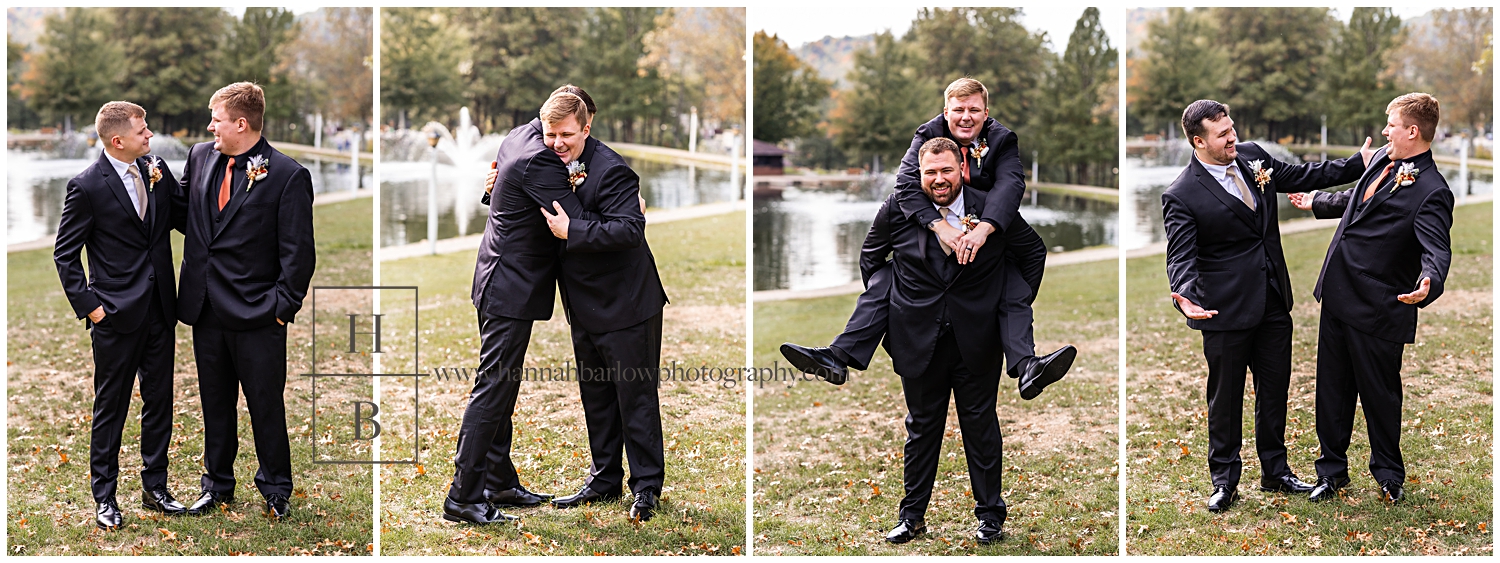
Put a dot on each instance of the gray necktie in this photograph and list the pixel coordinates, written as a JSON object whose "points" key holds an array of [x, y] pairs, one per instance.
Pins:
{"points": [[1244, 190], [947, 251], [140, 190]]}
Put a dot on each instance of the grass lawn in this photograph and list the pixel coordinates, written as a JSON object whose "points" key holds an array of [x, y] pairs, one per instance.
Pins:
{"points": [[828, 459], [50, 510], [1446, 427], [702, 510]]}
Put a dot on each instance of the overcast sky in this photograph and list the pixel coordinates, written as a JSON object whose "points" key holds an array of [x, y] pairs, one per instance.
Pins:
{"points": [[811, 21]]}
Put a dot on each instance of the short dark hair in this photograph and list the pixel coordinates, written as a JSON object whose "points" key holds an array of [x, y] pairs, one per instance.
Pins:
{"points": [[1196, 112], [938, 145]]}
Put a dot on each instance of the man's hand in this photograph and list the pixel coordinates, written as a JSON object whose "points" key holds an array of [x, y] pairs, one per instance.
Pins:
{"points": [[97, 314], [948, 234], [557, 223], [489, 181], [1417, 296], [643, 203], [1301, 201], [1367, 153], [1192, 310], [280, 322], [969, 243]]}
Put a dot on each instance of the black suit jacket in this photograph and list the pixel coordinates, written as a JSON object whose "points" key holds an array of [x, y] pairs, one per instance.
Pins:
{"points": [[924, 298], [254, 260], [128, 257], [609, 279], [1385, 248], [998, 173], [516, 272], [1220, 254]]}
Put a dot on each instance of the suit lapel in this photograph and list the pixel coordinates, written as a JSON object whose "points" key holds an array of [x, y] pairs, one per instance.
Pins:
{"points": [[117, 186], [236, 200], [1208, 182], [1381, 194], [144, 165]]}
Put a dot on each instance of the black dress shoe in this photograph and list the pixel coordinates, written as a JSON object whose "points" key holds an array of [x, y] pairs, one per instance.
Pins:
{"points": [[644, 506], [477, 513], [161, 501], [278, 506], [1288, 483], [208, 501], [107, 514], [990, 532], [906, 530], [1045, 371], [817, 361], [1327, 488], [1391, 492], [1222, 498], [584, 496], [516, 497]]}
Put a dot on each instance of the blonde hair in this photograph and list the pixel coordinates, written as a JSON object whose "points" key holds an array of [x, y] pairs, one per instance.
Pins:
{"points": [[114, 119], [242, 99], [564, 105], [1417, 109], [587, 100], [965, 87]]}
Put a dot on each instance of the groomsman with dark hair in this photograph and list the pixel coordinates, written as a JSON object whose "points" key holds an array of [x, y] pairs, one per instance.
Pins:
{"points": [[113, 210]]}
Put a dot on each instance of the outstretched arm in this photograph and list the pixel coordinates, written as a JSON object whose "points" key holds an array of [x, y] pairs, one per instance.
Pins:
{"points": [[1182, 258], [1434, 219], [1310, 176]]}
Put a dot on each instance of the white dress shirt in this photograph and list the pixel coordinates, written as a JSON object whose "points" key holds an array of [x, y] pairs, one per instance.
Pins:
{"points": [[1221, 173], [121, 169], [955, 211]]}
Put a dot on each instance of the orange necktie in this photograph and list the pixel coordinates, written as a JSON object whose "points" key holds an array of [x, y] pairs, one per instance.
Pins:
{"points": [[966, 164], [224, 186], [1370, 191]]}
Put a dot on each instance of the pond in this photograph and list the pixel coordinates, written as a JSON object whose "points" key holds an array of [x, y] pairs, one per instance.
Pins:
{"points": [[811, 238], [37, 183], [403, 195], [1146, 179]]}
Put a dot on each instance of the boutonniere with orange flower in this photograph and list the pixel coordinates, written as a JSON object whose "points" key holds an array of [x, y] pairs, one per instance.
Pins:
{"points": [[983, 149], [1405, 175], [1262, 174], [255, 170], [969, 221], [154, 171], [577, 173]]}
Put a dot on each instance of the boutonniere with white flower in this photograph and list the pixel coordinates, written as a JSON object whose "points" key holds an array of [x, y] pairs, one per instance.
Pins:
{"points": [[255, 170], [984, 148], [1262, 174], [577, 173], [969, 221], [154, 171], [1405, 175]]}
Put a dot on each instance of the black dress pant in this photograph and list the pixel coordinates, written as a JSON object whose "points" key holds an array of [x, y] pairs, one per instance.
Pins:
{"points": [[484, 437], [617, 380], [927, 407], [1266, 349], [119, 359], [253, 361], [1352, 364], [1020, 280]]}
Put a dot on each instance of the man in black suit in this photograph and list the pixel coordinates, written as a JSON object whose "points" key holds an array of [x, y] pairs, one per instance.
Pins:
{"points": [[941, 341], [989, 161], [1388, 258], [247, 260], [1229, 278], [128, 297], [515, 277], [613, 297]]}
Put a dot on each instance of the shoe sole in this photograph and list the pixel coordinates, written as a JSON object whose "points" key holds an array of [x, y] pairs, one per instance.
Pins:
{"points": [[806, 364], [452, 518], [1053, 374]]}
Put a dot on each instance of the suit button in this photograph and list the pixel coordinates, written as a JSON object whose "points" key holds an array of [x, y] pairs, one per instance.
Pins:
{"points": [[151, 277], [218, 220]]}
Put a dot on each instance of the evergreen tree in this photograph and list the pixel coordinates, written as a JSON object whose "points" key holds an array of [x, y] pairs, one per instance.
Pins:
{"points": [[887, 99], [1071, 132], [989, 45], [171, 61], [787, 92], [421, 57], [78, 69], [1357, 88], [1276, 60], [1182, 63]]}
